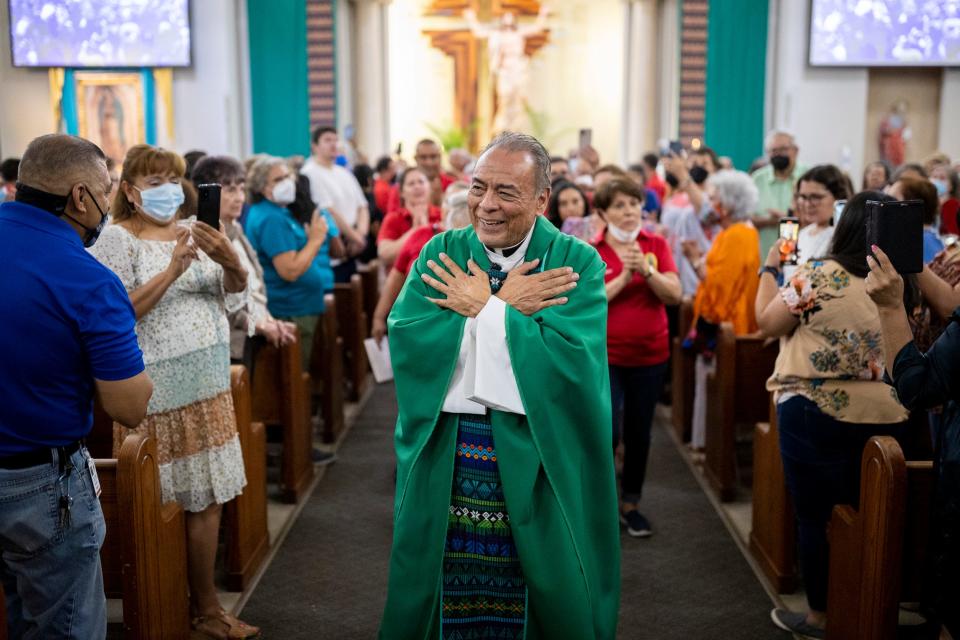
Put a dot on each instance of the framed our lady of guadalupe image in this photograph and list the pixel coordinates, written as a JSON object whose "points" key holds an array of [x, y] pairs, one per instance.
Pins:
{"points": [[110, 110]]}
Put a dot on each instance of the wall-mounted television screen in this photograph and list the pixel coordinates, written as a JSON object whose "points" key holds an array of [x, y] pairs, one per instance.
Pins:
{"points": [[100, 33], [885, 33]]}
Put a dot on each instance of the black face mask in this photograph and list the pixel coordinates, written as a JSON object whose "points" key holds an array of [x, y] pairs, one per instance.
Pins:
{"points": [[672, 180], [780, 163], [57, 205], [698, 174]]}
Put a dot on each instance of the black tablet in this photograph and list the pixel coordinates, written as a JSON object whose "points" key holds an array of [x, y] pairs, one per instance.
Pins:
{"points": [[897, 228]]}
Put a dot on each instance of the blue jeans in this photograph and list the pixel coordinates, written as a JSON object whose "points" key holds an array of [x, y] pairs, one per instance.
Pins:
{"points": [[635, 390], [49, 571], [821, 466]]}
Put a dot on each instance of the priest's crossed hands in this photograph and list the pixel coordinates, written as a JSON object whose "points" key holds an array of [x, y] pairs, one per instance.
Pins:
{"points": [[468, 295], [536, 292], [465, 295]]}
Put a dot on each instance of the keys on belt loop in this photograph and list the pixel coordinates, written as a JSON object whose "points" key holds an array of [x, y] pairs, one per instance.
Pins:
{"points": [[66, 500]]}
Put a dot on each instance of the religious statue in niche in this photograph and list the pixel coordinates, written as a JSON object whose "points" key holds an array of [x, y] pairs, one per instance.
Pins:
{"points": [[508, 63], [491, 51], [894, 134]]}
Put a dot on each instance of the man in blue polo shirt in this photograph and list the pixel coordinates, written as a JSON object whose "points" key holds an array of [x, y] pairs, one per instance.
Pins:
{"points": [[67, 333]]}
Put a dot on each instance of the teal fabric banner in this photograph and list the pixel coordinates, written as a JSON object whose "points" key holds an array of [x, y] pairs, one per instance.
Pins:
{"points": [[149, 106], [736, 79], [278, 76], [68, 103]]}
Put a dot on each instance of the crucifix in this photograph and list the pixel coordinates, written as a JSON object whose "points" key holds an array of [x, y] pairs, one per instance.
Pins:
{"points": [[490, 61]]}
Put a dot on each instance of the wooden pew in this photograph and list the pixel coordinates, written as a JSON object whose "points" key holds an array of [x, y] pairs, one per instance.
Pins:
{"points": [[773, 534], [370, 279], [736, 394], [877, 551], [354, 329], [150, 571], [281, 396], [245, 517], [327, 365], [144, 554], [682, 375]]}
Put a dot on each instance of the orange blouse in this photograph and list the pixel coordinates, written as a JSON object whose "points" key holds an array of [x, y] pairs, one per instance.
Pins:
{"points": [[728, 291]]}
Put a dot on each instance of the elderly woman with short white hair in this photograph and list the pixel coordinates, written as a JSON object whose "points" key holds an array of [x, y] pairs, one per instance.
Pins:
{"points": [[728, 279]]}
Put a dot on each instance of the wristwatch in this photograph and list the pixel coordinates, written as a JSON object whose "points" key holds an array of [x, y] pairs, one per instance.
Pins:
{"points": [[774, 271]]}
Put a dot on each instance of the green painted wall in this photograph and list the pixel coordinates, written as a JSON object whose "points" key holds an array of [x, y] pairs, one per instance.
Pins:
{"points": [[278, 76], [736, 78]]}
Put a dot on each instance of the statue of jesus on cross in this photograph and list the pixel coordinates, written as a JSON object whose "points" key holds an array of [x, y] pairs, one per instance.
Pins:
{"points": [[508, 62]]}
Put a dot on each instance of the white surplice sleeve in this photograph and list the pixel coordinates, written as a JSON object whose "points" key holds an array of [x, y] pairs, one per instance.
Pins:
{"points": [[484, 377]]}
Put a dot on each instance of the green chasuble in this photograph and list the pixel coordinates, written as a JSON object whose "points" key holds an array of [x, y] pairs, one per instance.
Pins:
{"points": [[556, 463]]}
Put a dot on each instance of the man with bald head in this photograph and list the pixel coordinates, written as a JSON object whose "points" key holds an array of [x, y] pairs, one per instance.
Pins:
{"points": [[68, 333], [506, 520]]}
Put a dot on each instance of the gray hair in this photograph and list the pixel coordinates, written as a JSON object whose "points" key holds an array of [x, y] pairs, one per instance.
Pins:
{"points": [[257, 176], [55, 162], [523, 143], [458, 214], [736, 191], [773, 133]]}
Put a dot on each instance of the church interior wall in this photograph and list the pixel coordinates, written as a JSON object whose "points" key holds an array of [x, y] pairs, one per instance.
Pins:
{"points": [[209, 97], [823, 108], [421, 78], [829, 110]]}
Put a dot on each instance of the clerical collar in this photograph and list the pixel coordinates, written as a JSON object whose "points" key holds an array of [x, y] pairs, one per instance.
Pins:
{"points": [[509, 257]]}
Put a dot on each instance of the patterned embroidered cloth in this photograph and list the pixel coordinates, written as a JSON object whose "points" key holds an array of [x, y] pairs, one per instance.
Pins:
{"points": [[484, 594]]}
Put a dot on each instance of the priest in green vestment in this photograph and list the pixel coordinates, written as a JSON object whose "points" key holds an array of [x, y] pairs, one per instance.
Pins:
{"points": [[505, 516]]}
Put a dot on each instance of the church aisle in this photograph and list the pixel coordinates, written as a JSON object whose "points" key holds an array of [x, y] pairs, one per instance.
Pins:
{"points": [[689, 581]]}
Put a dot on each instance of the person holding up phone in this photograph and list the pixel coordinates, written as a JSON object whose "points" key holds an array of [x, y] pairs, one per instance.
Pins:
{"points": [[228, 174], [829, 391], [923, 380], [182, 279], [818, 191]]}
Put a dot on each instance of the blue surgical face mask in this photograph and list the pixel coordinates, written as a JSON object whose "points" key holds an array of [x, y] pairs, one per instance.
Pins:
{"points": [[941, 186], [161, 203]]}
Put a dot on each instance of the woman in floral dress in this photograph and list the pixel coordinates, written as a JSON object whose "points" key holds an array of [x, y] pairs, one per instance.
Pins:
{"points": [[829, 389], [183, 277]]}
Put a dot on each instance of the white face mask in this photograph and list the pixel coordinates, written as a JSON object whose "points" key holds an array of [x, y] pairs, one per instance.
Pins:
{"points": [[161, 203], [621, 235], [284, 192]]}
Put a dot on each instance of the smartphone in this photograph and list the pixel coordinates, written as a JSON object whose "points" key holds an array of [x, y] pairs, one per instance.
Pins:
{"points": [[348, 132], [586, 138], [208, 204], [790, 234], [897, 228], [676, 147]]}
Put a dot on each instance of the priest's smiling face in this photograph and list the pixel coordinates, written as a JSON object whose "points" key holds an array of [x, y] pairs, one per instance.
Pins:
{"points": [[503, 198]]}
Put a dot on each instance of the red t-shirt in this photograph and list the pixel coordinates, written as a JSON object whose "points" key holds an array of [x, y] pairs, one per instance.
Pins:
{"points": [[396, 223], [414, 244], [637, 332], [948, 216], [393, 201], [656, 184], [381, 194]]}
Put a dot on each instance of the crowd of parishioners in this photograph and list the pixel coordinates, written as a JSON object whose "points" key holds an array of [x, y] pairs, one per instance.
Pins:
{"points": [[678, 224]]}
